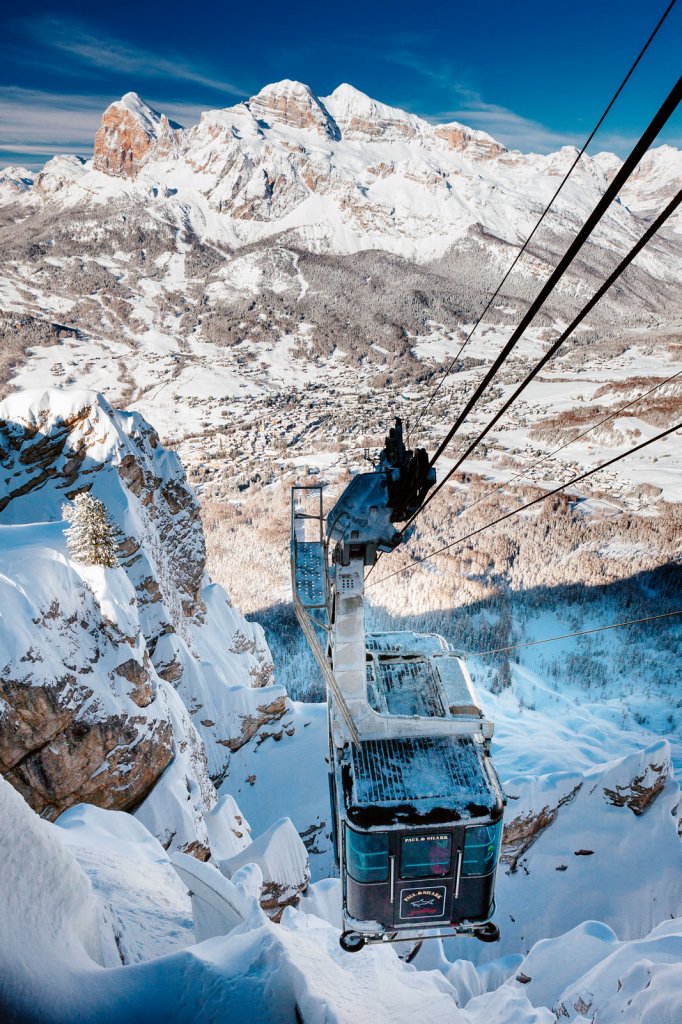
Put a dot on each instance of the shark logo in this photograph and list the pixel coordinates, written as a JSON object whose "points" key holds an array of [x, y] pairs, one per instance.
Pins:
{"points": [[423, 902]]}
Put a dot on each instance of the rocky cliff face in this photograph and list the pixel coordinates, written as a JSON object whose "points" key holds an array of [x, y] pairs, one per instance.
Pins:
{"points": [[81, 717], [60, 445], [128, 129], [293, 105], [385, 174], [87, 654]]}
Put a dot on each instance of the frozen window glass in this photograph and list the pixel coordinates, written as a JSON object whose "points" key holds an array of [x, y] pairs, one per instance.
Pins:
{"points": [[425, 856], [480, 849], [367, 855]]}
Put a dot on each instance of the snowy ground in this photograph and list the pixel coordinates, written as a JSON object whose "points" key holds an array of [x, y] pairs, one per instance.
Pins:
{"points": [[95, 925], [229, 404], [585, 937]]}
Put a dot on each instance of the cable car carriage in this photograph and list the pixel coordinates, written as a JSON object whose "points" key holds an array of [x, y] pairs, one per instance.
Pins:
{"points": [[416, 803]]}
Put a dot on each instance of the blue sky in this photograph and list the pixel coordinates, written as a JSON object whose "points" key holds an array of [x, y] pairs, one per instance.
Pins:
{"points": [[535, 74]]}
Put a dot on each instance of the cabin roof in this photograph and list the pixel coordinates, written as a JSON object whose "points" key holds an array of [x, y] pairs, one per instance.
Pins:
{"points": [[413, 674], [422, 779]]}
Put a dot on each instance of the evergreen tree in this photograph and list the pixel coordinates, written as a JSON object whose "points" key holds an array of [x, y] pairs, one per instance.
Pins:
{"points": [[91, 538]]}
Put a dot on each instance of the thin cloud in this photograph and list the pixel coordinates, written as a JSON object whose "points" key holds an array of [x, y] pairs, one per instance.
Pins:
{"points": [[77, 40], [510, 128], [31, 118], [443, 74], [527, 135], [38, 123], [506, 126], [513, 130]]}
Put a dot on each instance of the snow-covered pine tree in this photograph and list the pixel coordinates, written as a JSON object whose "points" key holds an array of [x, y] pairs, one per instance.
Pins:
{"points": [[91, 538]]}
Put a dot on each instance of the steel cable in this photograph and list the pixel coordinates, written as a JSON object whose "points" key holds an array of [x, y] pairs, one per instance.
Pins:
{"points": [[544, 213], [565, 636], [529, 504], [553, 349]]}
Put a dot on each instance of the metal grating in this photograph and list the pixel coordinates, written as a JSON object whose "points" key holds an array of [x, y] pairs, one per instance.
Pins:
{"points": [[376, 642], [399, 771], [310, 574], [406, 642], [407, 688]]}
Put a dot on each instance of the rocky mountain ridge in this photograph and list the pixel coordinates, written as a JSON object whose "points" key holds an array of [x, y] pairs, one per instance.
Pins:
{"points": [[96, 659], [339, 173]]}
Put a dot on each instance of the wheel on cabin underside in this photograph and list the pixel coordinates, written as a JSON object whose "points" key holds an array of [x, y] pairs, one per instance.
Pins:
{"points": [[487, 932], [352, 942]]}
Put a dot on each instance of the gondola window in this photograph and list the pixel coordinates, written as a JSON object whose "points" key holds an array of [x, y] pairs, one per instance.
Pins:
{"points": [[367, 856], [480, 849], [425, 856]]}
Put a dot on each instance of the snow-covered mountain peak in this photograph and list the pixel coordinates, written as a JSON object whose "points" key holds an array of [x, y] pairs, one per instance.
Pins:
{"points": [[129, 126], [285, 87], [20, 177], [361, 117], [347, 95], [14, 181], [293, 105], [132, 103], [475, 144], [608, 163], [60, 172]]}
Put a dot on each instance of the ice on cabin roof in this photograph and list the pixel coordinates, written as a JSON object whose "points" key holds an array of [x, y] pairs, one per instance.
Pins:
{"points": [[404, 641], [459, 691], [398, 686], [418, 674], [443, 770]]}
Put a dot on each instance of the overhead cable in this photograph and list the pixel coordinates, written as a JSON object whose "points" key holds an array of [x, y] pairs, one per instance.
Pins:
{"points": [[529, 504], [544, 213], [553, 349], [566, 636]]}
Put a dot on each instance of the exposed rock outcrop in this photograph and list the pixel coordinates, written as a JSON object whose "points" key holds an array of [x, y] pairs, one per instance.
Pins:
{"points": [[283, 861], [639, 792], [81, 718], [128, 129], [522, 831], [84, 713], [461, 138], [294, 105]]}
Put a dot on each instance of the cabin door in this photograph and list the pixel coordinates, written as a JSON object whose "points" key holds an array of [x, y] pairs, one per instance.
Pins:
{"points": [[423, 870]]}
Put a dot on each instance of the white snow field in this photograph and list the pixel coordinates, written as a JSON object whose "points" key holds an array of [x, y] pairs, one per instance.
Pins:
{"points": [[96, 926], [200, 294]]}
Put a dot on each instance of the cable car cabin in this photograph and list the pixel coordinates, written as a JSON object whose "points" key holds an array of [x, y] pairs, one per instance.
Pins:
{"points": [[418, 819], [416, 802]]}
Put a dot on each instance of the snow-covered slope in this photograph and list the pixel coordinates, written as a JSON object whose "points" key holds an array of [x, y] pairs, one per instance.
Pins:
{"points": [[95, 660], [342, 173], [96, 891]]}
